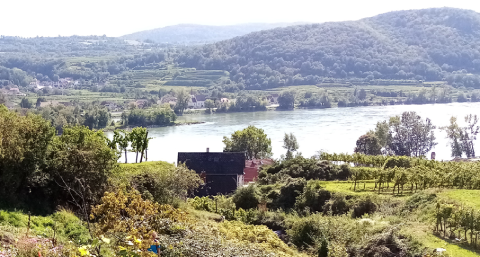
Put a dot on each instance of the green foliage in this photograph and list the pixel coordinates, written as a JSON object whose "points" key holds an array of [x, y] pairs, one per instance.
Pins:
{"points": [[157, 181], [290, 143], [287, 100], [246, 197], [251, 140], [351, 51], [25, 103], [160, 116], [313, 198], [368, 144], [96, 117], [301, 167], [363, 206], [462, 138], [80, 164], [23, 148], [399, 161], [65, 225]]}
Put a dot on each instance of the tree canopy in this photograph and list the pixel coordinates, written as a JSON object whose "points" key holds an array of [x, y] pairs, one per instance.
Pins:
{"points": [[251, 140]]}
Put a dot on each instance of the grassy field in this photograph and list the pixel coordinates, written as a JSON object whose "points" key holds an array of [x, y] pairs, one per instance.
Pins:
{"points": [[468, 198], [417, 224]]}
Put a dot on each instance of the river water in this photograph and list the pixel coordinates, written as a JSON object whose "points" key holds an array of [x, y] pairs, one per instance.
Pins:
{"points": [[334, 130]]}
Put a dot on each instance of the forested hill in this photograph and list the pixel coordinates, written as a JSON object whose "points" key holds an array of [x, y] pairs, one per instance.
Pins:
{"points": [[428, 44], [190, 34]]}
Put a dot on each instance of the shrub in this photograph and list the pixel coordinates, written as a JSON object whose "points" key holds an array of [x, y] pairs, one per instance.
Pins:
{"points": [[313, 198], [304, 232], [288, 194], [397, 161], [337, 205], [157, 181], [246, 197], [364, 206]]}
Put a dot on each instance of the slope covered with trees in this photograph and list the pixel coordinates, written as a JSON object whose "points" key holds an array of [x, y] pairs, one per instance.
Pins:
{"points": [[189, 34], [429, 44]]}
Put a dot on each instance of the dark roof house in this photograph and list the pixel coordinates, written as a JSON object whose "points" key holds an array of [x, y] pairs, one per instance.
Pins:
{"points": [[222, 172]]}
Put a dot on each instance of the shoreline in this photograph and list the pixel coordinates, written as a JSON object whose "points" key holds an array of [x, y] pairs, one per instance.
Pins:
{"points": [[156, 126]]}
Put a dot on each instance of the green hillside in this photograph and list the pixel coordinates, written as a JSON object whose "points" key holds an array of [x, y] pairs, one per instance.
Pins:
{"points": [[429, 44]]}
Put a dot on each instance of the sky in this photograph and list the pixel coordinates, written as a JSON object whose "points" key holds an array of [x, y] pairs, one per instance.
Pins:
{"points": [[30, 18]]}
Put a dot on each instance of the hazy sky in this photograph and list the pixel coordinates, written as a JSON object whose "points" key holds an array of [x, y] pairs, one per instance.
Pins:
{"points": [[29, 18]]}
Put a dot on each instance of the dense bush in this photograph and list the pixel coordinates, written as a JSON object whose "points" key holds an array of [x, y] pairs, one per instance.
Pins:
{"points": [[246, 197], [288, 194], [157, 181], [313, 198], [301, 167], [364, 206], [397, 161], [160, 117]]}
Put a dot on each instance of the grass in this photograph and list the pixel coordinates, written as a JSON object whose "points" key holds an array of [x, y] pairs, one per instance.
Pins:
{"points": [[346, 187], [468, 198], [424, 235]]}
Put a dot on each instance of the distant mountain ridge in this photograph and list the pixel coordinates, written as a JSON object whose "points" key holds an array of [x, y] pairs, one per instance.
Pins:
{"points": [[191, 34], [428, 44]]}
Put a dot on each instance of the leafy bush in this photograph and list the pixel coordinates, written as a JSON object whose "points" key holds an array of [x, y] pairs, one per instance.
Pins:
{"points": [[337, 205], [246, 197], [304, 232], [301, 167], [390, 243], [397, 161], [157, 181], [364, 206], [313, 198], [288, 194]]}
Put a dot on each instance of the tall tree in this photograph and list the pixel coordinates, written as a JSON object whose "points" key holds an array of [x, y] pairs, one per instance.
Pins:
{"points": [[80, 164], [24, 142], [25, 103], [454, 133], [122, 140], [290, 143], [287, 100], [368, 144], [253, 141], [410, 135], [462, 138], [182, 100]]}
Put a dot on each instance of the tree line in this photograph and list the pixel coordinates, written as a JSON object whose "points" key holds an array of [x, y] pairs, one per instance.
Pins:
{"points": [[368, 49]]}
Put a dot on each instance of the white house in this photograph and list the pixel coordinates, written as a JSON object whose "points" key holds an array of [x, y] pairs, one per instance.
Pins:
{"points": [[197, 101]]}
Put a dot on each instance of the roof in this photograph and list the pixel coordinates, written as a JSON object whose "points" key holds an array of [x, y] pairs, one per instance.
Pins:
{"points": [[223, 163], [201, 98]]}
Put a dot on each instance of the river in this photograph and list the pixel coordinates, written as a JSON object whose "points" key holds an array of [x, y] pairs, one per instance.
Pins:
{"points": [[334, 130]]}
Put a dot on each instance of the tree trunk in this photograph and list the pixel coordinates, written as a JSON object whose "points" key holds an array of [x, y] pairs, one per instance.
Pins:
{"points": [[125, 155], [136, 158], [141, 157]]}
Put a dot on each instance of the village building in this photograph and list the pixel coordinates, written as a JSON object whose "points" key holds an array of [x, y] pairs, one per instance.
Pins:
{"points": [[222, 172], [140, 103], [167, 99], [14, 91], [252, 167], [111, 106], [197, 101]]}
